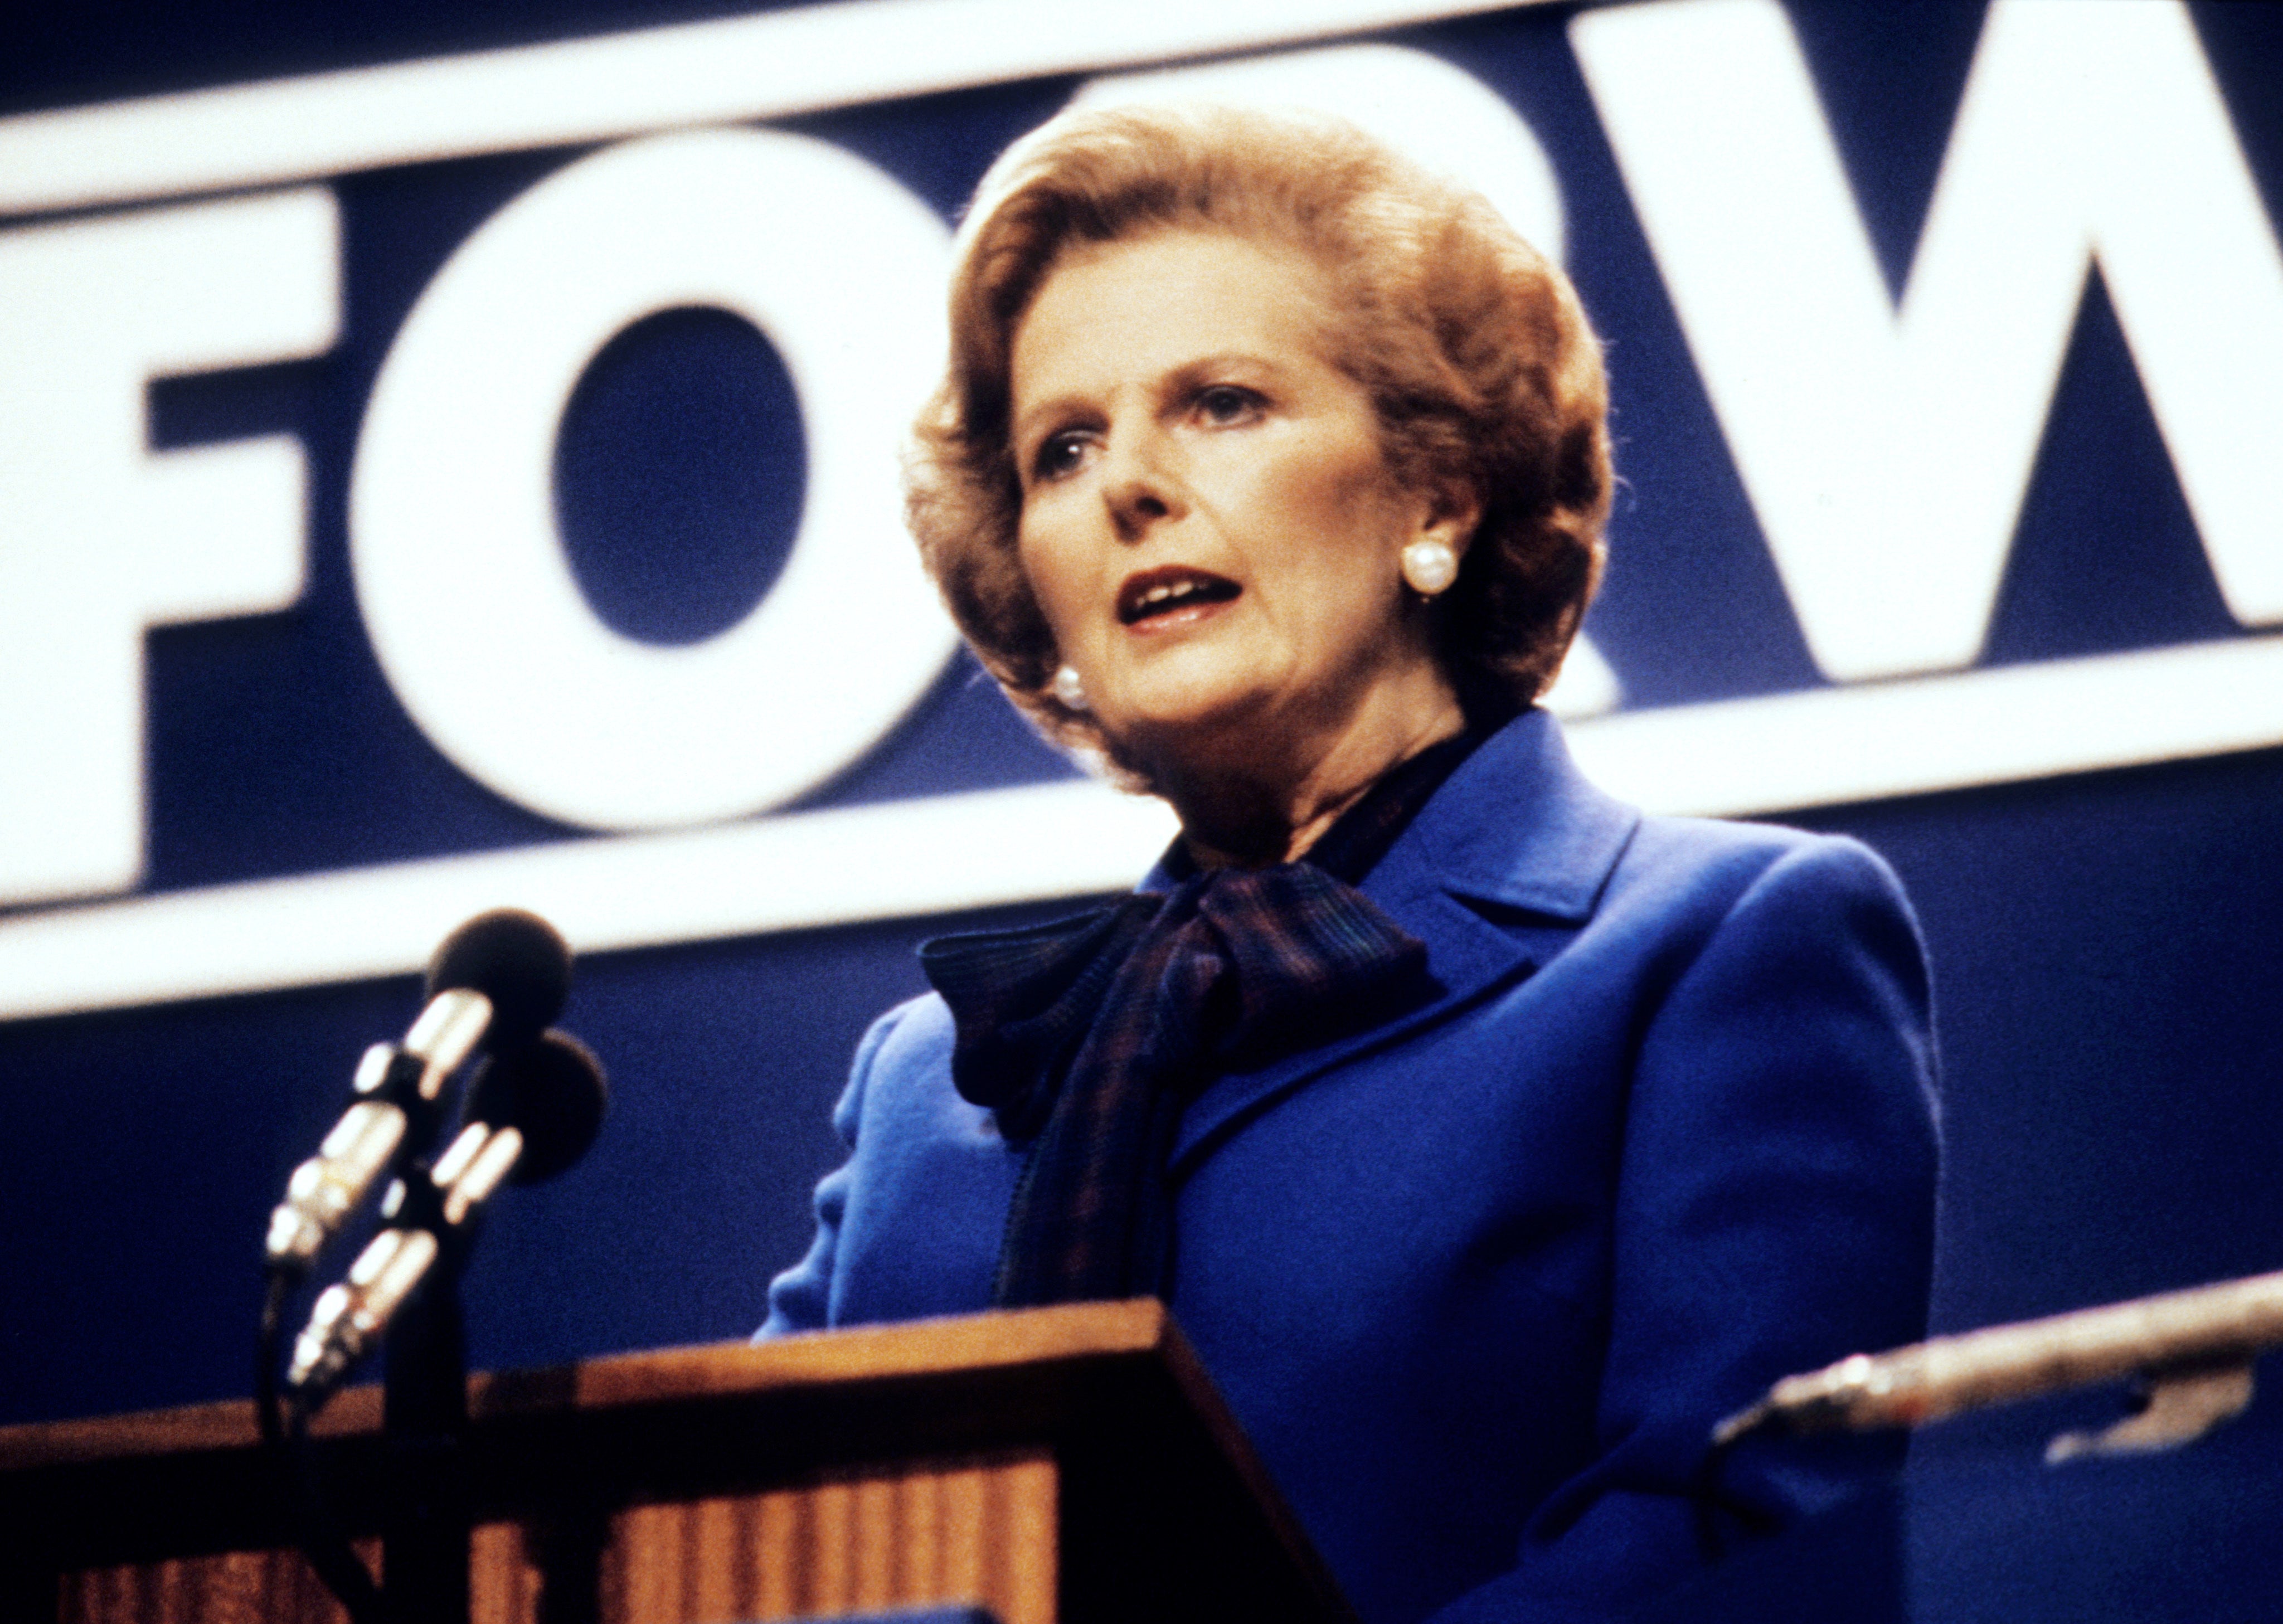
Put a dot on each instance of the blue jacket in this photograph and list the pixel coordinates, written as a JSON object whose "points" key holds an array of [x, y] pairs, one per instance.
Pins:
{"points": [[1479, 1281]]}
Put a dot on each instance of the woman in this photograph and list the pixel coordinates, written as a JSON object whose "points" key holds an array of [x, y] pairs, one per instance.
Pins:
{"points": [[1489, 1139]]}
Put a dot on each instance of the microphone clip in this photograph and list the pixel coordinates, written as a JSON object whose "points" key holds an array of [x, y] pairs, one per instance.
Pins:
{"points": [[396, 1109]]}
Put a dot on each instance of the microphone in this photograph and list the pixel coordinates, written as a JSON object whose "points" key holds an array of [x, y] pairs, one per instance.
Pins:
{"points": [[552, 1095], [532, 1112], [2196, 1346], [494, 981]]}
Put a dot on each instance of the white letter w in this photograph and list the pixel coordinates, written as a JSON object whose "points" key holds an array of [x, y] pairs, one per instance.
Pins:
{"points": [[1887, 452]]}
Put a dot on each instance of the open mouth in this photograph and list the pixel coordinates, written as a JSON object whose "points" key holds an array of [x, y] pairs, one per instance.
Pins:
{"points": [[1156, 593]]}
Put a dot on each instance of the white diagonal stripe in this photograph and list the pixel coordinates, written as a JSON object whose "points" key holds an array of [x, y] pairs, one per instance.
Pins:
{"points": [[772, 66], [946, 853]]}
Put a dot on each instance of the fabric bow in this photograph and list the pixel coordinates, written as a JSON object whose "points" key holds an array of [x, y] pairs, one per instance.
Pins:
{"points": [[1147, 1001], [1089, 1036]]}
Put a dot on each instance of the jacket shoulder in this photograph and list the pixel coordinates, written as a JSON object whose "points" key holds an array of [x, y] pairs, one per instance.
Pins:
{"points": [[1765, 893], [1727, 860], [915, 1034], [903, 1068]]}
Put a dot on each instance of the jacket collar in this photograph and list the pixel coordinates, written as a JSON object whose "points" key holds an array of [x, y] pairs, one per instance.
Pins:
{"points": [[1514, 843]]}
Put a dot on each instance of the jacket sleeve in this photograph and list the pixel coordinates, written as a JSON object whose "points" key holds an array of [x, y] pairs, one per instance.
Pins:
{"points": [[1774, 1211], [800, 1299]]}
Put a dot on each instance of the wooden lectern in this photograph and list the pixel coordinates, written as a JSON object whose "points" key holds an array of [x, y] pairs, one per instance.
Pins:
{"points": [[1068, 1464]]}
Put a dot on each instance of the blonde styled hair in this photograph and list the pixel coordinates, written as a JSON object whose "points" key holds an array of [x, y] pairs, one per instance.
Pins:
{"points": [[1472, 346]]}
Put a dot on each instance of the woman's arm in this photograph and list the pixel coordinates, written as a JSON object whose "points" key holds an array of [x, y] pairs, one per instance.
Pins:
{"points": [[1774, 1211], [800, 1298]]}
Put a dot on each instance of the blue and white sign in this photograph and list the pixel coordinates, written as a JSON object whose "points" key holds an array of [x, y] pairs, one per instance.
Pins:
{"points": [[432, 481]]}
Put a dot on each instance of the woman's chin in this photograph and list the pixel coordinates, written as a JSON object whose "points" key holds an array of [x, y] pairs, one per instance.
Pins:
{"points": [[1191, 727]]}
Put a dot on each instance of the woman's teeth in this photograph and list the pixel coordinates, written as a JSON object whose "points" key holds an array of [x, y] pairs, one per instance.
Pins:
{"points": [[1166, 596]]}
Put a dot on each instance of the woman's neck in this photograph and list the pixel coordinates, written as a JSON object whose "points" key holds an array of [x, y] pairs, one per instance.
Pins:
{"points": [[1255, 812]]}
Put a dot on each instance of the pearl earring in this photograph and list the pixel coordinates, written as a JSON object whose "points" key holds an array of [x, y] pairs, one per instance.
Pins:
{"points": [[1429, 566], [1070, 689]]}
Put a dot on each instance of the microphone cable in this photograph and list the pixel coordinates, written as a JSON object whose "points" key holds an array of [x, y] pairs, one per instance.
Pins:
{"points": [[317, 1529]]}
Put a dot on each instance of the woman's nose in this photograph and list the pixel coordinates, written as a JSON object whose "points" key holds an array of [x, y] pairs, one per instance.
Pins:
{"points": [[1138, 487]]}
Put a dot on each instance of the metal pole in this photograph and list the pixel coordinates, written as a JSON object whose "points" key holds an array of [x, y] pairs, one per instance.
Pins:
{"points": [[423, 1423]]}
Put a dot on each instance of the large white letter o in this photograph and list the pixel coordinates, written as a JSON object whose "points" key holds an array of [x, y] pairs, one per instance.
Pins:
{"points": [[461, 575]]}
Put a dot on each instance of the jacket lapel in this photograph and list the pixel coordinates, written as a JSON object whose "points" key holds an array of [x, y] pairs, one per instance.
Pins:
{"points": [[1517, 841]]}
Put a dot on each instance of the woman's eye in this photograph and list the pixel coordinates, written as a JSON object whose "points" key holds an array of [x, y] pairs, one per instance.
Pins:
{"points": [[1058, 454], [1225, 403]]}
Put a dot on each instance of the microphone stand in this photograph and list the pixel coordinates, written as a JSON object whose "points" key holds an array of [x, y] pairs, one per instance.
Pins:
{"points": [[403, 1290], [423, 1504], [424, 1517]]}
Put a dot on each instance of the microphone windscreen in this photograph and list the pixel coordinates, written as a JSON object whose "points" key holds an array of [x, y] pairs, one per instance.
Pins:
{"points": [[516, 959], [552, 1091]]}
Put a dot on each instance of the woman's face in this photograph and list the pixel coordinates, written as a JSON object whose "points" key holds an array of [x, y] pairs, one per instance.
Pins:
{"points": [[1208, 520]]}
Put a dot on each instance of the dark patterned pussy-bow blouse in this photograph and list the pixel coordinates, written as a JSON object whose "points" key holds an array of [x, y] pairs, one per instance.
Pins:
{"points": [[1087, 1037]]}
